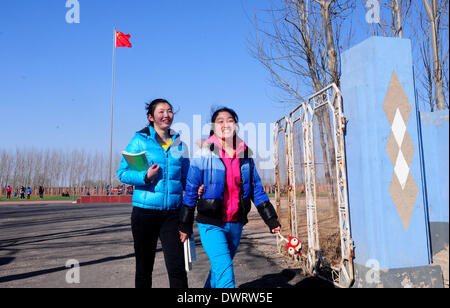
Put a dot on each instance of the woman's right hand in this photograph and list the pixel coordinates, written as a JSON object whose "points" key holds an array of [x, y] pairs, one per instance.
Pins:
{"points": [[201, 190], [152, 172]]}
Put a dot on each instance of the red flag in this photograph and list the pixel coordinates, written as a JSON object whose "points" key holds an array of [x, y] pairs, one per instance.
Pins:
{"points": [[122, 40]]}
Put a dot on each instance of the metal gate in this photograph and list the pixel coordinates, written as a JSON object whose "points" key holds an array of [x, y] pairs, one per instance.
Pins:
{"points": [[311, 186]]}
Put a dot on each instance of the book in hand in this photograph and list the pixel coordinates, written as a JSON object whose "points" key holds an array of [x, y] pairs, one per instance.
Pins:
{"points": [[189, 252], [138, 161]]}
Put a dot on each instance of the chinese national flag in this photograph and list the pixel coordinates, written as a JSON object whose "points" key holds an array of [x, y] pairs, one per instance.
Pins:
{"points": [[122, 40]]}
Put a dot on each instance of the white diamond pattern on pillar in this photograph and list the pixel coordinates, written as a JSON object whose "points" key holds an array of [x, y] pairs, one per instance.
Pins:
{"points": [[401, 169], [398, 127], [400, 149]]}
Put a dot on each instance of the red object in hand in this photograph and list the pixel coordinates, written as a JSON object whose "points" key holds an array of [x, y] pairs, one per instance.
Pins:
{"points": [[122, 40], [294, 246]]}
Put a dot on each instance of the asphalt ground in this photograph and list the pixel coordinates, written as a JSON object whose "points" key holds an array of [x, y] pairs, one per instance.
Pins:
{"points": [[37, 241]]}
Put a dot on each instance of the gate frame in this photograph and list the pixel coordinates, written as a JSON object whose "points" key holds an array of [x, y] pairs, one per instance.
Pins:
{"points": [[343, 275]]}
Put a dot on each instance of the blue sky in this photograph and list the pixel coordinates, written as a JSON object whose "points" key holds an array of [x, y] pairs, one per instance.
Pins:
{"points": [[55, 77]]}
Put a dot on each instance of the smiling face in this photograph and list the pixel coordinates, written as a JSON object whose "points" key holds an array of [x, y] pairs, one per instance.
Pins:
{"points": [[162, 116], [224, 125]]}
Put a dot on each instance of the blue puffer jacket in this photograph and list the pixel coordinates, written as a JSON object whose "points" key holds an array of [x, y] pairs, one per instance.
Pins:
{"points": [[166, 191], [208, 168]]}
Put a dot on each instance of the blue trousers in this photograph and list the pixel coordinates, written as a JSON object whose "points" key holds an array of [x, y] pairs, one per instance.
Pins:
{"points": [[220, 244]]}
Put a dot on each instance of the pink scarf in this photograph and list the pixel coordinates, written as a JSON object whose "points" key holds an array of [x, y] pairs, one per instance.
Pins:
{"points": [[230, 211]]}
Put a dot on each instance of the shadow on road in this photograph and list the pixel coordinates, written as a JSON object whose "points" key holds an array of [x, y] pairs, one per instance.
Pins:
{"points": [[281, 280], [6, 260], [61, 268]]}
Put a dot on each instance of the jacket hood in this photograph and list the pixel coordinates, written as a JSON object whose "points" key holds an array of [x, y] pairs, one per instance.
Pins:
{"points": [[150, 132], [214, 144]]}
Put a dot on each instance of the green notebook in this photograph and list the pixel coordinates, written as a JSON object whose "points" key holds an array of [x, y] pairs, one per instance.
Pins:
{"points": [[136, 161]]}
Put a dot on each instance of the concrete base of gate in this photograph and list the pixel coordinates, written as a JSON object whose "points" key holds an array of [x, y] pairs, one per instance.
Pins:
{"points": [[428, 276]]}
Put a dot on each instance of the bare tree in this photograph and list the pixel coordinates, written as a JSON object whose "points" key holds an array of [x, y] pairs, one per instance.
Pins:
{"points": [[6, 163], [19, 170], [300, 49], [399, 12], [423, 21], [434, 10], [332, 61], [288, 49], [392, 15], [424, 75], [46, 169], [38, 164]]}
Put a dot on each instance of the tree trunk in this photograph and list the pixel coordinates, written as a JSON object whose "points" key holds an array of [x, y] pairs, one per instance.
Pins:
{"points": [[437, 65], [332, 62], [397, 26]]}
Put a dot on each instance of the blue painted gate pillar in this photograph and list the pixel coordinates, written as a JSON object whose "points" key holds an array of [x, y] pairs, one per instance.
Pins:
{"points": [[388, 215]]}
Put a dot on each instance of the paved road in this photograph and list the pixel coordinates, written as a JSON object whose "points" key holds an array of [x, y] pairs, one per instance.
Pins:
{"points": [[36, 241]]}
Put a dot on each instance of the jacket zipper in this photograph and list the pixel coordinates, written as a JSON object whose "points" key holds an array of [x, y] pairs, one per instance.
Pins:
{"points": [[166, 194], [241, 187], [241, 190], [167, 182], [166, 189]]}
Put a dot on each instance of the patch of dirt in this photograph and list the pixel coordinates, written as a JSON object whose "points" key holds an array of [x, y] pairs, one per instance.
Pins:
{"points": [[329, 239], [328, 228], [441, 258], [266, 242]]}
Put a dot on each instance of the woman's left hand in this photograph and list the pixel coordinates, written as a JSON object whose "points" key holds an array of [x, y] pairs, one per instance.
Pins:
{"points": [[183, 236], [276, 230]]}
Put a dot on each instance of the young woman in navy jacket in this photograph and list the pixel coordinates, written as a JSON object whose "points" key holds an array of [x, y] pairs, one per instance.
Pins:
{"points": [[226, 169]]}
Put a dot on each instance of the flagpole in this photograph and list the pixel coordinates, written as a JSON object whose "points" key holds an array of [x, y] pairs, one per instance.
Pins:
{"points": [[112, 109]]}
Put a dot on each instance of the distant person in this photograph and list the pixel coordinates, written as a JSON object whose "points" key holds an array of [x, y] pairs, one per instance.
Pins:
{"points": [[22, 192], [129, 190], [28, 192], [8, 192], [157, 195], [41, 192], [227, 170]]}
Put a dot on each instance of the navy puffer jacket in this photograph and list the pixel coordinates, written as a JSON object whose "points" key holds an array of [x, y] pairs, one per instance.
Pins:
{"points": [[207, 167]]}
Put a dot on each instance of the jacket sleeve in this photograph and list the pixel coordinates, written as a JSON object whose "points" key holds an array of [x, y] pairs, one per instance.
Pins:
{"points": [[261, 200], [193, 181], [124, 173]]}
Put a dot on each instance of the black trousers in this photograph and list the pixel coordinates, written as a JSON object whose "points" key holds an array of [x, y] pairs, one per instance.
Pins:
{"points": [[147, 226]]}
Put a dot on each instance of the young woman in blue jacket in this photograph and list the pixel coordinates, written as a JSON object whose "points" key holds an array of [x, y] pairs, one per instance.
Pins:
{"points": [[157, 196], [227, 171]]}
